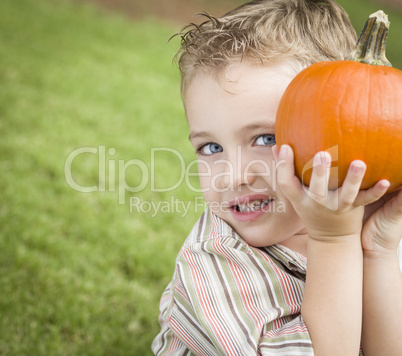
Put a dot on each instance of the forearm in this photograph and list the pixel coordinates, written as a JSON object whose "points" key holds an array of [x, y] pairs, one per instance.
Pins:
{"points": [[332, 303], [382, 305]]}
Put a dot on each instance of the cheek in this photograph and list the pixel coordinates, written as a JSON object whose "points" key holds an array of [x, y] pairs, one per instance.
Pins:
{"points": [[204, 175], [206, 183], [213, 178], [211, 194], [214, 203]]}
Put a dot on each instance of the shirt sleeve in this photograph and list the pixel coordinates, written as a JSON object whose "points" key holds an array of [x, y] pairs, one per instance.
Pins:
{"points": [[228, 299], [167, 343]]}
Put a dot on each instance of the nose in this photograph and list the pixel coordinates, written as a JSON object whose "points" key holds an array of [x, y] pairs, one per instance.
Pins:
{"points": [[235, 171]]}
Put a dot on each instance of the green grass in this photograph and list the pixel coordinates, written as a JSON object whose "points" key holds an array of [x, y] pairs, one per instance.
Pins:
{"points": [[81, 274], [359, 11]]}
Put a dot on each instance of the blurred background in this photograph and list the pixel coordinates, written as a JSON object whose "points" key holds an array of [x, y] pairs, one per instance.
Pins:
{"points": [[96, 187]]}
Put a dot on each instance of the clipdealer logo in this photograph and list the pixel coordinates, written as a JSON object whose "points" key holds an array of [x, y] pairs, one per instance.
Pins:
{"points": [[146, 174], [109, 168], [112, 176]]}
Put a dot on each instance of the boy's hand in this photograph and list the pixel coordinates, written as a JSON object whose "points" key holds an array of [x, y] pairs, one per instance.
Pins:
{"points": [[383, 230], [329, 215]]}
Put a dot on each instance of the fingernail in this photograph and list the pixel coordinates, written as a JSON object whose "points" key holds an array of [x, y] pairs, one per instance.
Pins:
{"points": [[317, 160], [384, 184], [358, 167], [321, 158]]}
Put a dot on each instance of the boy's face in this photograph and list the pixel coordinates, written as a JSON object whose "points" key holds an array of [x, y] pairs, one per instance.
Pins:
{"points": [[232, 128]]}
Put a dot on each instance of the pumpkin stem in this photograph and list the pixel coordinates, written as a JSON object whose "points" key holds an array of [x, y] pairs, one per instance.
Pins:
{"points": [[370, 47]]}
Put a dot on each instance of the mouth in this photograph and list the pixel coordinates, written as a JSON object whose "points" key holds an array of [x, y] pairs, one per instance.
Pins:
{"points": [[250, 208]]}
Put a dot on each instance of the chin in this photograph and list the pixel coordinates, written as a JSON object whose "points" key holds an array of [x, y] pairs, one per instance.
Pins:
{"points": [[256, 237]]}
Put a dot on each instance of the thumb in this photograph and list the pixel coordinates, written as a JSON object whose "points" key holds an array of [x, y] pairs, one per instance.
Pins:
{"points": [[288, 182]]}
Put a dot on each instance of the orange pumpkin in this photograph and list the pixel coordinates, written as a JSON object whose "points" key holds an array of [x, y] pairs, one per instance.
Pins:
{"points": [[351, 108]]}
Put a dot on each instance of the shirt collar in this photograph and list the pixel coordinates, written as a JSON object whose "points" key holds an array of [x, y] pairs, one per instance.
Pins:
{"points": [[292, 260]]}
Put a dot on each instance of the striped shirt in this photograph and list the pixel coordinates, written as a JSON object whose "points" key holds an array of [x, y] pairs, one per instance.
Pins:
{"points": [[228, 298]]}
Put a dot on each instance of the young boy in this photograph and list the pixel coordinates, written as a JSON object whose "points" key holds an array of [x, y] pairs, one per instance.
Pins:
{"points": [[242, 284]]}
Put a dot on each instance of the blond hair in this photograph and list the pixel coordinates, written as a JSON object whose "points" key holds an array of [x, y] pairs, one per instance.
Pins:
{"points": [[266, 30]]}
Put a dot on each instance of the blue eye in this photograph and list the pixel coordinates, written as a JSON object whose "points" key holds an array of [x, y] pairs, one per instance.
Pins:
{"points": [[210, 149], [265, 140]]}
